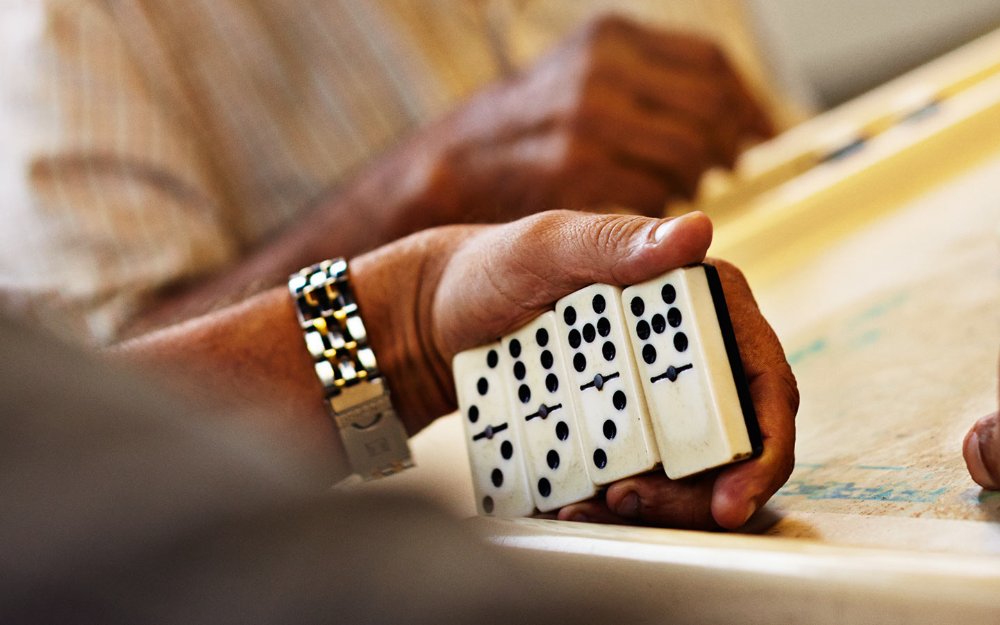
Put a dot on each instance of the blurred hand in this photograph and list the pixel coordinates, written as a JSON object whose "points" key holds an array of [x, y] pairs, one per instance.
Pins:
{"points": [[429, 296], [981, 449], [618, 114]]}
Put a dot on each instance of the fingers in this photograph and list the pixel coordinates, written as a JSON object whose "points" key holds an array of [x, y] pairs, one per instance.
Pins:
{"points": [[981, 449], [678, 76], [701, 102], [505, 276], [707, 58], [596, 180], [742, 488], [590, 511], [650, 499], [668, 148], [729, 496], [654, 499]]}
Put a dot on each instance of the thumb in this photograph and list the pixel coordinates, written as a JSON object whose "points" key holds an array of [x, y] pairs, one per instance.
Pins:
{"points": [[559, 252], [981, 449], [507, 275]]}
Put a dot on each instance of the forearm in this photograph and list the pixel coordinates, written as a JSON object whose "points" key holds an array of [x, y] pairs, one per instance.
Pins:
{"points": [[247, 360], [388, 200], [250, 357]]}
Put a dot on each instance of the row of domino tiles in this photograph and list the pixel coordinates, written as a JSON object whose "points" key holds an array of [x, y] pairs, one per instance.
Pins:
{"points": [[610, 384]]}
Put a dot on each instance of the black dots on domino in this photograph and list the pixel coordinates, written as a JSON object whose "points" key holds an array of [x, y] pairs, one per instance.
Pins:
{"points": [[668, 293], [506, 450], [575, 340], [524, 393], [552, 383], [514, 348], [589, 333], [598, 304], [648, 354], [519, 370], [600, 458], [544, 487], [482, 386], [552, 459], [610, 429], [603, 327], [608, 351], [497, 477], [562, 431], [658, 323], [680, 341], [473, 413], [546, 359], [619, 400], [488, 504], [542, 337], [569, 315], [579, 362]]}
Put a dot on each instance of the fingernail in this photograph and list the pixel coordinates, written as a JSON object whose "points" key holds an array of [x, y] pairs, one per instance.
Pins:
{"points": [[664, 229], [974, 461], [629, 506], [751, 509], [668, 225], [579, 517]]}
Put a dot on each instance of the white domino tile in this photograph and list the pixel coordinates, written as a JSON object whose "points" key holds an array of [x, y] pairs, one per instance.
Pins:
{"points": [[615, 428], [496, 456], [539, 394], [685, 373]]}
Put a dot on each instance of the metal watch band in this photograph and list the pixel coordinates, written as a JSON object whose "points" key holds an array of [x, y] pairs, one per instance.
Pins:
{"points": [[355, 393]]}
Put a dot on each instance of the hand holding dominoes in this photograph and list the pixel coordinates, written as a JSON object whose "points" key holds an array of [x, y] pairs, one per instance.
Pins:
{"points": [[567, 408], [471, 284]]}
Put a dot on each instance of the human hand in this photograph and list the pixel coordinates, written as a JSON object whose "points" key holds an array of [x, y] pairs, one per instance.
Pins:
{"points": [[618, 114], [981, 450], [441, 291]]}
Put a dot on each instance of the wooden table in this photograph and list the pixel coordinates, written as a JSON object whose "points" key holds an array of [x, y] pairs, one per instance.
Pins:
{"points": [[879, 270]]}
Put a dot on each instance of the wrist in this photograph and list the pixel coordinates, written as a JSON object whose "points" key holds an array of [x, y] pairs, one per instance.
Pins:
{"points": [[394, 288]]}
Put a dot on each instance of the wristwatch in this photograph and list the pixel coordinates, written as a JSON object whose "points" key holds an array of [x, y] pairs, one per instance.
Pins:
{"points": [[355, 393]]}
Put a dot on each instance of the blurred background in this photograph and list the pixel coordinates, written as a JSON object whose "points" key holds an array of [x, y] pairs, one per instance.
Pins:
{"points": [[824, 53]]}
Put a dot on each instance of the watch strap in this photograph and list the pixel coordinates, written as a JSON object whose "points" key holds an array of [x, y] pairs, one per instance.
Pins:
{"points": [[355, 392]]}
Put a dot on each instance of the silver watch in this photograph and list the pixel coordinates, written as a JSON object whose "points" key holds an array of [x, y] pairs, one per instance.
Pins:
{"points": [[355, 392]]}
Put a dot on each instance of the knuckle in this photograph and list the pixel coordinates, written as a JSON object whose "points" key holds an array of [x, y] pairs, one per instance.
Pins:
{"points": [[612, 231], [541, 226], [791, 389], [609, 25], [787, 465], [717, 58]]}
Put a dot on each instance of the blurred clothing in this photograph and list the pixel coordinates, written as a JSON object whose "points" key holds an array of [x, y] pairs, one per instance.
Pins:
{"points": [[124, 505], [149, 142]]}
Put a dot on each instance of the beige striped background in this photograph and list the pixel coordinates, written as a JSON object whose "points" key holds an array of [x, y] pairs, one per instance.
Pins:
{"points": [[146, 142]]}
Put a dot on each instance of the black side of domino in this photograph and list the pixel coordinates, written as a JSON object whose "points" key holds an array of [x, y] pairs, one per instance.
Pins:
{"points": [[735, 362]]}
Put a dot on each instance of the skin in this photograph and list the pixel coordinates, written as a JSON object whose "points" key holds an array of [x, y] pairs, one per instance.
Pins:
{"points": [[981, 450], [619, 115], [428, 296]]}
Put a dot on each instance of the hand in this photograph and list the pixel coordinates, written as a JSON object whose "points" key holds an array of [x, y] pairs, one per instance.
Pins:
{"points": [[618, 114], [432, 295], [981, 449], [726, 497]]}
